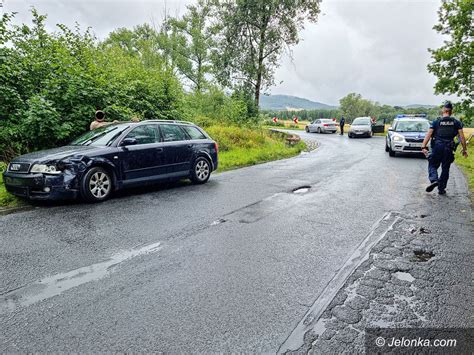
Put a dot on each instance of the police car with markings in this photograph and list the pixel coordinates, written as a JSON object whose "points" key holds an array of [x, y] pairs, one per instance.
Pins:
{"points": [[406, 134]]}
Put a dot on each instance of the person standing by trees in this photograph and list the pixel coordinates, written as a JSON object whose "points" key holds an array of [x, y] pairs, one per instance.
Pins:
{"points": [[442, 130], [342, 122]]}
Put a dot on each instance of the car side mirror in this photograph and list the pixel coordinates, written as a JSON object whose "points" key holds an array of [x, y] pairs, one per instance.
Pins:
{"points": [[390, 129], [128, 141]]}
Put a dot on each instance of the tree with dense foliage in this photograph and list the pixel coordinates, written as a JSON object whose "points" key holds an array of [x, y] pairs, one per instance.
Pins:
{"points": [[454, 61], [193, 43], [253, 36], [353, 105]]}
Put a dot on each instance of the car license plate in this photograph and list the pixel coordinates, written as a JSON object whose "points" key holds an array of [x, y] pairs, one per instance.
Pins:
{"points": [[415, 145]]}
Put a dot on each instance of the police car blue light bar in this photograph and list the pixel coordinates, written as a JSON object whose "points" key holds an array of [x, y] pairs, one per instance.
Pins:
{"points": [[412, 116]]}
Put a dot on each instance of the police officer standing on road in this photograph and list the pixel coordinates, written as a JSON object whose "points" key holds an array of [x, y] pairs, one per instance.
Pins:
{"points": [[442, 132], [342, 122]]}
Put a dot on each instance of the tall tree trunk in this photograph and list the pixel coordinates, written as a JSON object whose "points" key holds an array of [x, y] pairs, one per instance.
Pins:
{"points": [[258, 84]]}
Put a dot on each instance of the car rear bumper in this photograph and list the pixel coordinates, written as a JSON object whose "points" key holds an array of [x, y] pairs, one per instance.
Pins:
{"points": [[40, 186], [330, 129], [360, 133]]}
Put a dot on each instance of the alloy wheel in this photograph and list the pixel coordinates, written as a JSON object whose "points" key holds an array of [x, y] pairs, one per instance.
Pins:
{"points": [[202, 170], [99, 185]]}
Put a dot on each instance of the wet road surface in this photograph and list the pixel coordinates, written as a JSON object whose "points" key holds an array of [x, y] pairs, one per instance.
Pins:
{"points": [[233, 265]]}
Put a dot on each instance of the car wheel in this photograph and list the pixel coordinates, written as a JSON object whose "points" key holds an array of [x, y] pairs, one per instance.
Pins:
{"points": [[371, 134], [319, 130], [391, 152], [307, 130], [349, 135], [386, 146], [201, 171], [96, 185]]}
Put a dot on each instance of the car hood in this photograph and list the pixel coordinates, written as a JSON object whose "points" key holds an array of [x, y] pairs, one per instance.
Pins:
{"points": [[361, 127], [56, 153]]}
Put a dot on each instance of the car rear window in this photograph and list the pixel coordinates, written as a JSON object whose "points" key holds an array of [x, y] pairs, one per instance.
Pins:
{"points": [[193, 132], [361, 121], [172, 133]]}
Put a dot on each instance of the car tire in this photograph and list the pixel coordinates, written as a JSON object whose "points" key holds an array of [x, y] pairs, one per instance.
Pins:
{"points": [[349, 135], [201, 171], [96, 185], [371, 134], [319, 130], [391, 152], [307, 130], [386, 146]]}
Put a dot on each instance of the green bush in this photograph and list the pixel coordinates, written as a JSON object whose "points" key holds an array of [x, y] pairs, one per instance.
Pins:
{"points": [[52, 83]]}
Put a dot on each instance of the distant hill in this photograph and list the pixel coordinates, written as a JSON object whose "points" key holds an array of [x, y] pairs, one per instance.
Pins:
{"points": [[419, 106], [290, 103]]}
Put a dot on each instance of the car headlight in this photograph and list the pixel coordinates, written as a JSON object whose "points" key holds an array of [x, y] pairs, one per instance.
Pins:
{"points": [[45, 169], [398, 138]]}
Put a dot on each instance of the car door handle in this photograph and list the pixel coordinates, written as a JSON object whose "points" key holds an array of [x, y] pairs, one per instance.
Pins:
{"points": [[159, 150], [190, 145]]}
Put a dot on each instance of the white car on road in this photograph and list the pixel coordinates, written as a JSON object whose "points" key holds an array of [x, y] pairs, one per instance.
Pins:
{"points": [[322, 125]]}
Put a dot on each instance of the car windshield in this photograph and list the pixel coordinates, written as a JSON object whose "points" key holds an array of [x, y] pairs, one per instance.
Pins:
{"points": [[361, 122], [103, 136], [412, 126]]}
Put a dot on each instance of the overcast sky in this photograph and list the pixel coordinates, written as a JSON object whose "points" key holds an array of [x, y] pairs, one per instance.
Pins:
{"points": [[377, 48]]}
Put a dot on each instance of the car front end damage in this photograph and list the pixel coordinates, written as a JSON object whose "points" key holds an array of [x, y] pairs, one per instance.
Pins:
{"points": [[51, 180], [38, 186]]}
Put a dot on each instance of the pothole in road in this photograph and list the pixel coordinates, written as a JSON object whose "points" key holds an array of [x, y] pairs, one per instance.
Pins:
{"points": [[301, 190], [422, 255]]}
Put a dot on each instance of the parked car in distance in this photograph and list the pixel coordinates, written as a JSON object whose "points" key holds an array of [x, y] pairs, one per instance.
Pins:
{"points": [[322, 125], [406, 134], [112, 158], [360, 127]]}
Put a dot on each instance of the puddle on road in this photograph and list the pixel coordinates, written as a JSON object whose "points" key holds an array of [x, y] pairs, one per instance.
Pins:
{"points": [[218, 221], [404, 276], [56, 284], [301, 189]]}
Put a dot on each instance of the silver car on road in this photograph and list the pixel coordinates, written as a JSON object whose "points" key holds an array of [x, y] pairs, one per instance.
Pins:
{"points": [[322, 125], [361, 127]]}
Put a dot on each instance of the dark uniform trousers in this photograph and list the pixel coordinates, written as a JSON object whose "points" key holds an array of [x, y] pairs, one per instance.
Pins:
{"points": [[441, 154]]}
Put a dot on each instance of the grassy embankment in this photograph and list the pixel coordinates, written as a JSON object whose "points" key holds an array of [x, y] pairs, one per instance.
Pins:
{"points": [[467, 164], [238, 147], [6, 200]]}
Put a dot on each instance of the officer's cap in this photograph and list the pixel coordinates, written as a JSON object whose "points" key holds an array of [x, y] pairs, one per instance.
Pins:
{"points": [[448, 105]]}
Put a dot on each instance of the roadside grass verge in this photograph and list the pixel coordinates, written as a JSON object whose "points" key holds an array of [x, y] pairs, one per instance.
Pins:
{"points": [[6, 199], [467, 165], [239, 147]]}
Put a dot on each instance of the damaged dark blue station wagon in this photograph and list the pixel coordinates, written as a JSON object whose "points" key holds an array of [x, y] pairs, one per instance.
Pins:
{"points": [[114, 157]]}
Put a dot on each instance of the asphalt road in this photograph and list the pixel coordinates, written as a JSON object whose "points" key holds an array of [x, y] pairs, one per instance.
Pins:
{"points": [[232, 265]]}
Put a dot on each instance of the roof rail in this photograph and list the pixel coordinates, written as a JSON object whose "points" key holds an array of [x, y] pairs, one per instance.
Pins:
{"points": [[168, 121]]}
